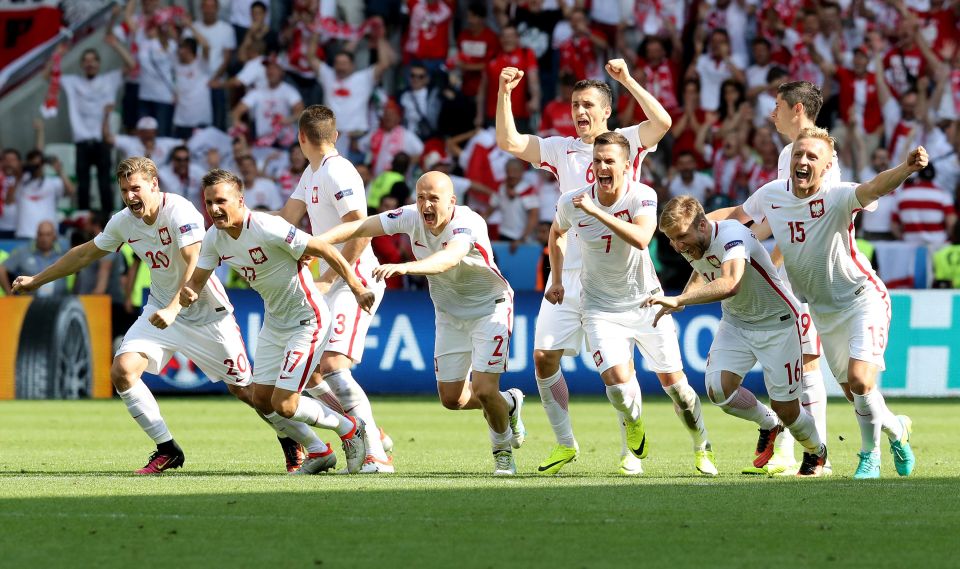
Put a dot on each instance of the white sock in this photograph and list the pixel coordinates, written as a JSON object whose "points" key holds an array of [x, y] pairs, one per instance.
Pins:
{"points": [[144, 409], [871, 410], [323, 393], [804, 429], [743, 404], [500, 441], [686, 403], [890, 425], [556, 398], [783, 448], [511, 403], [355, 402], [625, 398], [317, 414], [297, 431], [814, 397]]}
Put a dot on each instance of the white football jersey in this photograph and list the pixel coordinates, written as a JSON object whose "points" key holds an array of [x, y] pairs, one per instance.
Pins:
{"points": [[267, 254], [616, 275], [815, 235], [178, 225], [331, 192], [831, 177], [763, 302], [570, 159], [475, 286]]}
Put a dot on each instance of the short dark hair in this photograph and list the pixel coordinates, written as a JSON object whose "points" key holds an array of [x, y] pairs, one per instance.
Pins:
{"points": [[95, 53], [776, 72], [613, 137], [478, 9], [189, 44], [348, 54], [805, 93], [35, 153], [180, 148], [219, 176], [761, 40], [599, 86], [262, 5], [13, 151], [318, 124]]}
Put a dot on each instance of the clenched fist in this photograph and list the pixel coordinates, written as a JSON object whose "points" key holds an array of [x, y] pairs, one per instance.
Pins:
{"points": [[509, 78]]}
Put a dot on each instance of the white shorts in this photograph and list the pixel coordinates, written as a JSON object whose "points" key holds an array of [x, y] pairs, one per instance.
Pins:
{"points": [[560, 326], [216, 347], [349, 323], [286, 357], [736, 350], [859, 332], [809, 337], [481, 344], [612, 336]]}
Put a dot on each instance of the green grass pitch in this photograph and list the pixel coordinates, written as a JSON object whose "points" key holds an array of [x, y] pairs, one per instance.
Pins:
{"points": [[67, 498]]}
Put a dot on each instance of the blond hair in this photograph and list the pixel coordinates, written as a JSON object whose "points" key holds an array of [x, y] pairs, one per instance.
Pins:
{"points": [[679, 210], [819, 134], [219, 176], [136, 165]]}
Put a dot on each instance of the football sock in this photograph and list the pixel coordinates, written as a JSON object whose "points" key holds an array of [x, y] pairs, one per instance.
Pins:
{"points": [[323, 393], [511, 403], [743, 404], [871, 410], [804, 430], [814, 398], [556, 398], [354, 400], [500, 441], [686, 404], [625, 398], [317, 414], [297, 431], [144, 409]]}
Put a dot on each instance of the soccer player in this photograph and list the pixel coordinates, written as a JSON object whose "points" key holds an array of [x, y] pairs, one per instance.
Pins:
{"points": [[472, 300], [266, 251], [615, 218], [812, 222], [558, 330], [761, 319], [332, 192], [165, 231]]}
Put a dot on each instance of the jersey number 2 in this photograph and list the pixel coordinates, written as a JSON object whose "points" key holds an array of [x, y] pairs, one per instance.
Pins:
{"points": [[158, 259]]}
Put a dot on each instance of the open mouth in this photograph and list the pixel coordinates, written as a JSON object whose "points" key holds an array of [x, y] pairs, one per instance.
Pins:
{"points": [[136, 207], [429, 218], [583, 124], [219, 219], [802, 173], [605, 181]]}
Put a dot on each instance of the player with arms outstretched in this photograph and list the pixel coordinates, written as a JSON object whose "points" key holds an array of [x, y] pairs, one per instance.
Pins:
{"points": [[812, 222], [760, 322], [331, 192], [165, 230], [559, 330], [472, 300], [266, 251], [615, 218]]}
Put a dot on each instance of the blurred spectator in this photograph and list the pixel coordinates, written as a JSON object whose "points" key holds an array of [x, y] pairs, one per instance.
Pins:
{"points": [[714, 65], [33, 257], [130, 30], [194, 102], [391, 249], [11, 168], [87, 96], [222, 41], [657, 70], [876, 225], [288, 178], [260, 38], [462, 187], [37, 195], [730, 16], [557, 120], [182, 177], [273, 109], [690, 122], [756, 74], [688, 180], [156, 56], [240, 15], [428, 33], [764, 167], [258, 192], [517, 206], [924, 213], [580, 53], [393, 182], [525, 98], [144, 142], [420, 103], [946, 263], [477, 44], [382, 144]]}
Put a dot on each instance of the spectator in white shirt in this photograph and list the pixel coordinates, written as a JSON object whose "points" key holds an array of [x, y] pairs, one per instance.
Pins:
{"points": [[259, 193], [182, 177], [144, 142], [273, 109], [222, 41], [194, 106], [518, 205], [11, 168], [877, 225], [714, 67], [420, 103], [757, 72], [37, 195], [688, 180], [390, 139], [156, 56]]}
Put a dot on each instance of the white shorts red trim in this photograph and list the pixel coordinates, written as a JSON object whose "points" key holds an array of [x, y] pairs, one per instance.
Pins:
{"points": [[560, 326], [286, 358], [860, 332], [612, 336], [348, 322], [736, 350], [216, 347], [481, 344]]}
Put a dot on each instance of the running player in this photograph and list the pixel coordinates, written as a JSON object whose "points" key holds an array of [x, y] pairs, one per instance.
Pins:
{"points": [[812, 222], [472, 300], [615, 218], [332, 192], [761, 319], [266, 251], [165, 230], [559, 330]]}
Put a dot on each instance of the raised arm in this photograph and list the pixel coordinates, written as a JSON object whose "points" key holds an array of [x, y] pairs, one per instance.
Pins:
{"points": [[889, 180], [658, 121], [385, 56], [509, 139], [74, 260], [111, 40]]}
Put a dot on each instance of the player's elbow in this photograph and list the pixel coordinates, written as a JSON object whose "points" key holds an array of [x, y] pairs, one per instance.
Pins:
{"points": [[732, 288]]}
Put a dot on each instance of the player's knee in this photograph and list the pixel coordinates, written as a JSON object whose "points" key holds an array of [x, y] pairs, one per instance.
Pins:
{"points": [[787, 411], [546, 362], [261, 400], [452, 401], [242, 393], [846, 391], [122, 376], [715, 388], [284, 406]]}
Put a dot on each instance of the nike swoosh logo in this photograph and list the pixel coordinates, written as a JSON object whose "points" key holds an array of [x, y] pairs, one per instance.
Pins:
{"points": [[792, 391], [774, 206], [332, 340], [549, 466], [419, 244], [571, 151], [227, 257], [133, 240], [861, 414], [639, 450], [493, 363], [584, 225], [286, 376]]}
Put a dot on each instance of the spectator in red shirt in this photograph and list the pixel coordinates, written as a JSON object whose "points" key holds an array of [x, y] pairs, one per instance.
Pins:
{"points": [[556, 119], [660, 72], [688, 122], [580, 53], [860, 108], [904, 63], [476, 44], [428, 37], [526, 101]]}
